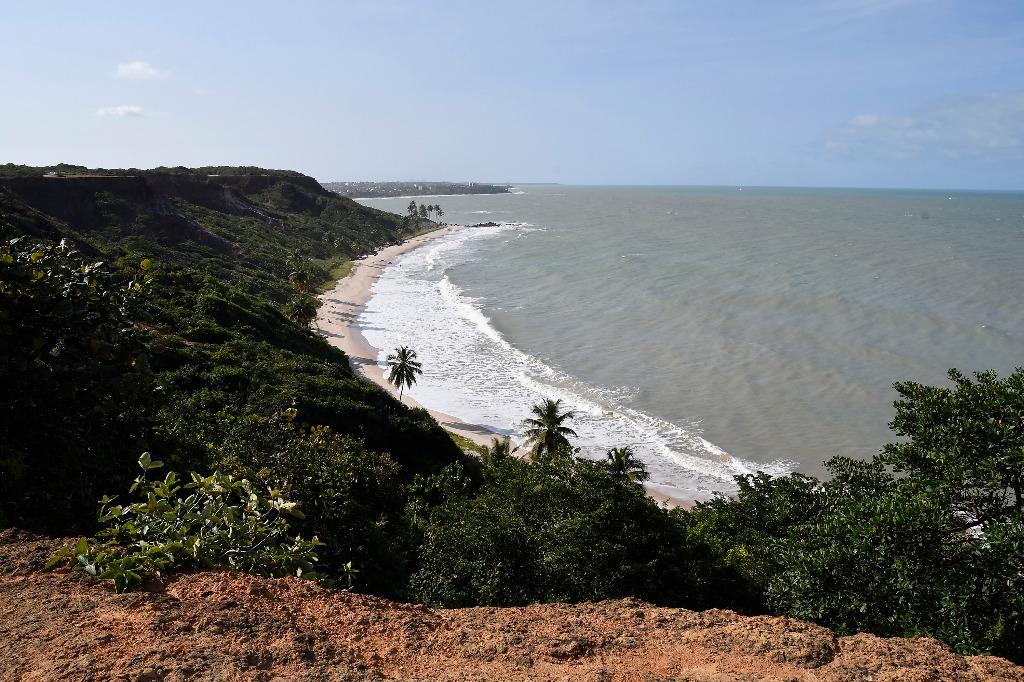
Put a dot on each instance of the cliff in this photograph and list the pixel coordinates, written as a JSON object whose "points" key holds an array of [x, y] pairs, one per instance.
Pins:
{"points": [[225, 625], [150, 205], [220, 221], [231, 256]]}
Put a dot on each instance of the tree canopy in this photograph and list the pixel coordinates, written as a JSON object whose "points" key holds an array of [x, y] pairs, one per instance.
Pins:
{"points": [[969, 437], [74, 379], [925, 539], [556, 531]]}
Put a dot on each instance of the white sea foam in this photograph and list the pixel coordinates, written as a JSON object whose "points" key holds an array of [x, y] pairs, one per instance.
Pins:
{"points": [[472, 372], [769, 323]]}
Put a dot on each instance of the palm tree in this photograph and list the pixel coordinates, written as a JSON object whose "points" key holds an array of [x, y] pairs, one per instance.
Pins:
{"points": [[412, 208], [500, 448], [302, 309], [404, 369], [438, 211], [622, 464], [546, 432], [301, 280]]}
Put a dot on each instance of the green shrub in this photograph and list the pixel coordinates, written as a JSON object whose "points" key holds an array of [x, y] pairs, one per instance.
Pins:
{"points": [[75, 382], [352, 497], [215, 519], [925, 539], [564, 530]]}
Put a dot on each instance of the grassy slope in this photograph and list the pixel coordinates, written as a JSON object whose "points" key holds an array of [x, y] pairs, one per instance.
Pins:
{"points": [[219, 341]]}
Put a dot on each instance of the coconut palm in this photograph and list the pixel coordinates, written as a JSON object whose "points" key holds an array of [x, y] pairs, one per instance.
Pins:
{"points": [[301, 280], [545, 431], [302, 309], [302, 277], [404, 368], [500, 448], [623, 464]]}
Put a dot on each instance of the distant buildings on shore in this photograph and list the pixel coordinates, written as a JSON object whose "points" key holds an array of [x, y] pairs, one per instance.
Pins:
{"points": [[366, 190]]}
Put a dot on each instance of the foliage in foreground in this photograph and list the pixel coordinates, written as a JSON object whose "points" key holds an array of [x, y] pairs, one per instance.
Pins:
{"points": [[74, 379], [352, 498], [560, 530], [215, 519], [927, 539]]}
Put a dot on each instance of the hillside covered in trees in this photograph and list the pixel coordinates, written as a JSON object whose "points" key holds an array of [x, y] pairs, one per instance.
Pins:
{"points": [[148, 312], [161, 318]]}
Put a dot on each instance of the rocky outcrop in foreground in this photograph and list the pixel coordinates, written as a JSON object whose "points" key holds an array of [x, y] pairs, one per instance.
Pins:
{"points": [[225, 625]]}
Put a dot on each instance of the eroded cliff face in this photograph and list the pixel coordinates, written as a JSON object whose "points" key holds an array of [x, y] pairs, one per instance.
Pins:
{"points": [[225, 625]]}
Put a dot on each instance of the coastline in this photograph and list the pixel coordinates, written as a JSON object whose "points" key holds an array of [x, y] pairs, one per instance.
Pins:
{"points": [[337, 322], [341, 307], [430, 196]]}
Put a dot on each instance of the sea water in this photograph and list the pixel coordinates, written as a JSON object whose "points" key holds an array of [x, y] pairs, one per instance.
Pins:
{"points": [[716, 331]]}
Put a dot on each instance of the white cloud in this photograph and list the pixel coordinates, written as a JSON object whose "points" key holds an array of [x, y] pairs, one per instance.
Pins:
{"points": [[138, 71], [987, 126], [123, 110]]}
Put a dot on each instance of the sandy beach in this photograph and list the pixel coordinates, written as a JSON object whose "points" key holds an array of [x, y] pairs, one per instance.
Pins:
{"points": [[341, 307], [336, 320]]}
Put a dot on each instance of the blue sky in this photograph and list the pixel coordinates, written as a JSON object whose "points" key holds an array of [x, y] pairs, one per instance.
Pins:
{"points": [[857, 93]]}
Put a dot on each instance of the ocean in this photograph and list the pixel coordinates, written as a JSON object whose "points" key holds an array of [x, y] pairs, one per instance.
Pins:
{"points": [[715, 330]]}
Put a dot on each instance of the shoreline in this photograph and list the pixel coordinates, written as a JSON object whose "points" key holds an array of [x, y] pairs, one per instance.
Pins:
{"points": [[341, 307], [432, 196], [337, 322]]}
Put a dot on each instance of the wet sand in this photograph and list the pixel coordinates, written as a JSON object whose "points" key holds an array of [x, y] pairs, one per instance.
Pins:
{"points": [[341, 308], [336, 320]]}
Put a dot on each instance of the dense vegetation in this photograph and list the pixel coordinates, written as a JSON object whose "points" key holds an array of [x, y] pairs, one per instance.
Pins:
{"points": [[926, 538], [68, 169], [192, 358], [167, 330]]}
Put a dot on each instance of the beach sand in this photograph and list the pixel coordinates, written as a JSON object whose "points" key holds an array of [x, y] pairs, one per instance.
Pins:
{"points": [[336, 320], [341, 307]]}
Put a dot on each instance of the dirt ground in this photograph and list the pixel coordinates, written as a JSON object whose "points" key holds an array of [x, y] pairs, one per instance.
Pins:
{"points": [[225, 625]]}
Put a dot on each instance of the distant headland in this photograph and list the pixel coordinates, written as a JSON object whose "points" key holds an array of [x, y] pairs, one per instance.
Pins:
{"points": [[366, 190]]}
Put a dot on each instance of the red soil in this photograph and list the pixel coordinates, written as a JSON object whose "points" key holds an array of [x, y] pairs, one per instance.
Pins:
{"points": [[225, 625]]}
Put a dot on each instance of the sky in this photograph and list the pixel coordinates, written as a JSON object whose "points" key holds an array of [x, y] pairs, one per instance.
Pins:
{"points": [[833, 93]]}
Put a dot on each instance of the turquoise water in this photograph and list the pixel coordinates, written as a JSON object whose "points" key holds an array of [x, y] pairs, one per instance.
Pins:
{"points": [[716, 330]]}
